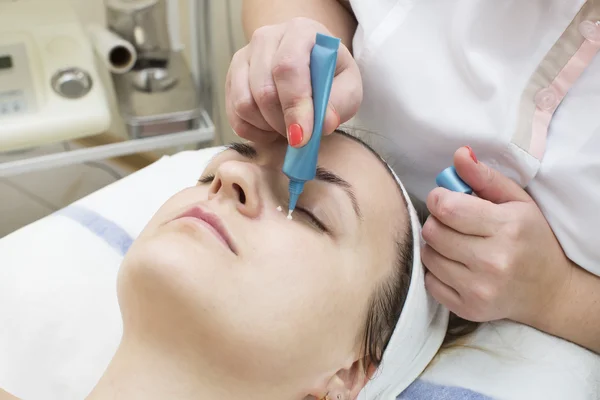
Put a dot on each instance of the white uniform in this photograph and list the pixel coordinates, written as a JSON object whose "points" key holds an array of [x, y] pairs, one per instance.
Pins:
{"points": [[518, 81]]}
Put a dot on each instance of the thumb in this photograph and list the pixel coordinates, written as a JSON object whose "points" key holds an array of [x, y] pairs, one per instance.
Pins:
{"points": [[486, 182]]}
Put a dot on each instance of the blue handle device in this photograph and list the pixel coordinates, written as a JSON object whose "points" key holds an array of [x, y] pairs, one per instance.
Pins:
{"points": [[450, 180], [300, 165]]}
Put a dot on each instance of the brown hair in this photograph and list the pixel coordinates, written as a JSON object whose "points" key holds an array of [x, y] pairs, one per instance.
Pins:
{"points": [[388, 300]]}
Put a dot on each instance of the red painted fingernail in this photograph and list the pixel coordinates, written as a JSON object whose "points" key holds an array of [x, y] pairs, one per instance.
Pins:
{"points": [[295, 135], [472, 154]]}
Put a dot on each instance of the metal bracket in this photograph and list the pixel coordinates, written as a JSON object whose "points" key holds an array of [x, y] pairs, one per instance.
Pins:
{"points": [[205, 133]]}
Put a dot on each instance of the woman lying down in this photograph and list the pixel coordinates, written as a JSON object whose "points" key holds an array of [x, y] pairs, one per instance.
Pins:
{"points": [[222, 297]]}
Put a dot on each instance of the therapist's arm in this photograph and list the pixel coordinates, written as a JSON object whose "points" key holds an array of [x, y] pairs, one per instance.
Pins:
{"points": [[575, 315], [6, 396], [334, 14]]}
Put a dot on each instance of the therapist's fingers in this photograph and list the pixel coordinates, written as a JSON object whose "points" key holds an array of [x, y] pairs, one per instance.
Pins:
{"points": [[346, 92], [247, 131], [243, 102], [443, 293], [456, 246], [242, 111], [451, 273], [265, 42], [238, 90], [291, 73], [466, 214], [487, 182]]}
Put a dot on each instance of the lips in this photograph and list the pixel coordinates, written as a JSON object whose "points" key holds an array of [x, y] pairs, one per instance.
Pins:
{"points": [[212, 222]]}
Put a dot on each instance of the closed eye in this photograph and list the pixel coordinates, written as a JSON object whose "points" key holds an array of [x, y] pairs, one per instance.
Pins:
{"points": [[311, 217], [314, 220], [207, 179]]}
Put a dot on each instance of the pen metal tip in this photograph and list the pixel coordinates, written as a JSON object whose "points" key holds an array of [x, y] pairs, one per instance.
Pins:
{"points": [[289, 216]]}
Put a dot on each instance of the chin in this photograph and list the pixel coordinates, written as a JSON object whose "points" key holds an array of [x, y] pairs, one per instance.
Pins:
{"points": [[165, 272], [165, 291]]}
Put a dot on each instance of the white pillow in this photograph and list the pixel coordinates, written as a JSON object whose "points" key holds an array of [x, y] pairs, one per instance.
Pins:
{"points": [[60, 323], [59, 318]]}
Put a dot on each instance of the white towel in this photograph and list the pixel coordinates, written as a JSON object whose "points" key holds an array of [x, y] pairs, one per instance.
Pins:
{"points": [[60, 323]]}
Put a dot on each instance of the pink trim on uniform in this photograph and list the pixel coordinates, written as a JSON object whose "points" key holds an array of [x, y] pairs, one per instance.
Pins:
{"points": [[548, 99]]}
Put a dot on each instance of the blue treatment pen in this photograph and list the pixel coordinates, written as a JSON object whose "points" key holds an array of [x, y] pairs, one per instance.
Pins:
{"points": [[300, 165], [450, 180]]}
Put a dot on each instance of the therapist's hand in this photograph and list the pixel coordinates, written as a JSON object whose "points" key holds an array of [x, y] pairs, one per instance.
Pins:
{"points": [[493, 256], [268, 89]]}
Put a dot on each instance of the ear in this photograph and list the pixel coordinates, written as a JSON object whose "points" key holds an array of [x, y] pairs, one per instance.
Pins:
{"points": [[347, 383]]}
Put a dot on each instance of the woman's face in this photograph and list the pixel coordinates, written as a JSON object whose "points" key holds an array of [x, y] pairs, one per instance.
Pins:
{"points": [[265, 296]]}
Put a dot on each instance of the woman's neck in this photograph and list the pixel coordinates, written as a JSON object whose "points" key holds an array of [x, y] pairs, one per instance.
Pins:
{"points": [[147, 371]]}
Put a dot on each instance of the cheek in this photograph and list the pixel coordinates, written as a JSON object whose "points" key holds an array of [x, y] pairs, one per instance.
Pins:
{"points": [[291, 259], [286, 267], [157, 282], [169, 263], [296, 282], [288, 299]]}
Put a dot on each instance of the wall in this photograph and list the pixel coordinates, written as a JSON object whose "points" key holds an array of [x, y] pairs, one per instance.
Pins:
{"points": [[227, 38]]}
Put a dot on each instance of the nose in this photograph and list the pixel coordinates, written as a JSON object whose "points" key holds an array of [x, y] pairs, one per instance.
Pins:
{"points": [[238, 182]]}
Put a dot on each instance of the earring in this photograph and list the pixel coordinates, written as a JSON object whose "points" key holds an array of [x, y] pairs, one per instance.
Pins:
{"points": [[329, 396]]}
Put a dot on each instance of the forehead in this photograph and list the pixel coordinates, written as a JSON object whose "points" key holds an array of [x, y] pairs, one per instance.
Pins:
{"points": [[377, 193], [376, 190]]}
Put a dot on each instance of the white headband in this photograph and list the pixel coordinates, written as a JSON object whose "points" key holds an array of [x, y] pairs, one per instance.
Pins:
{"points": [[419, 332]]}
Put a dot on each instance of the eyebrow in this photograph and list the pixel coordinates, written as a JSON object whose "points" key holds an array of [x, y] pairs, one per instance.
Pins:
{"points": [[322, 174], [243, 149], [328, 176]]}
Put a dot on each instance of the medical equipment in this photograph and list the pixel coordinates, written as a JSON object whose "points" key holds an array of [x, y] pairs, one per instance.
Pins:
{"points": [[158, 96], [450, 180], [143, 23], [117, 54], [300, 165], [181, 116], [49, 87]]}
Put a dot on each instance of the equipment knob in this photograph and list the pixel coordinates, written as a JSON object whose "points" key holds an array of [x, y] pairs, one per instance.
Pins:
{"points": [[72, 83]]}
